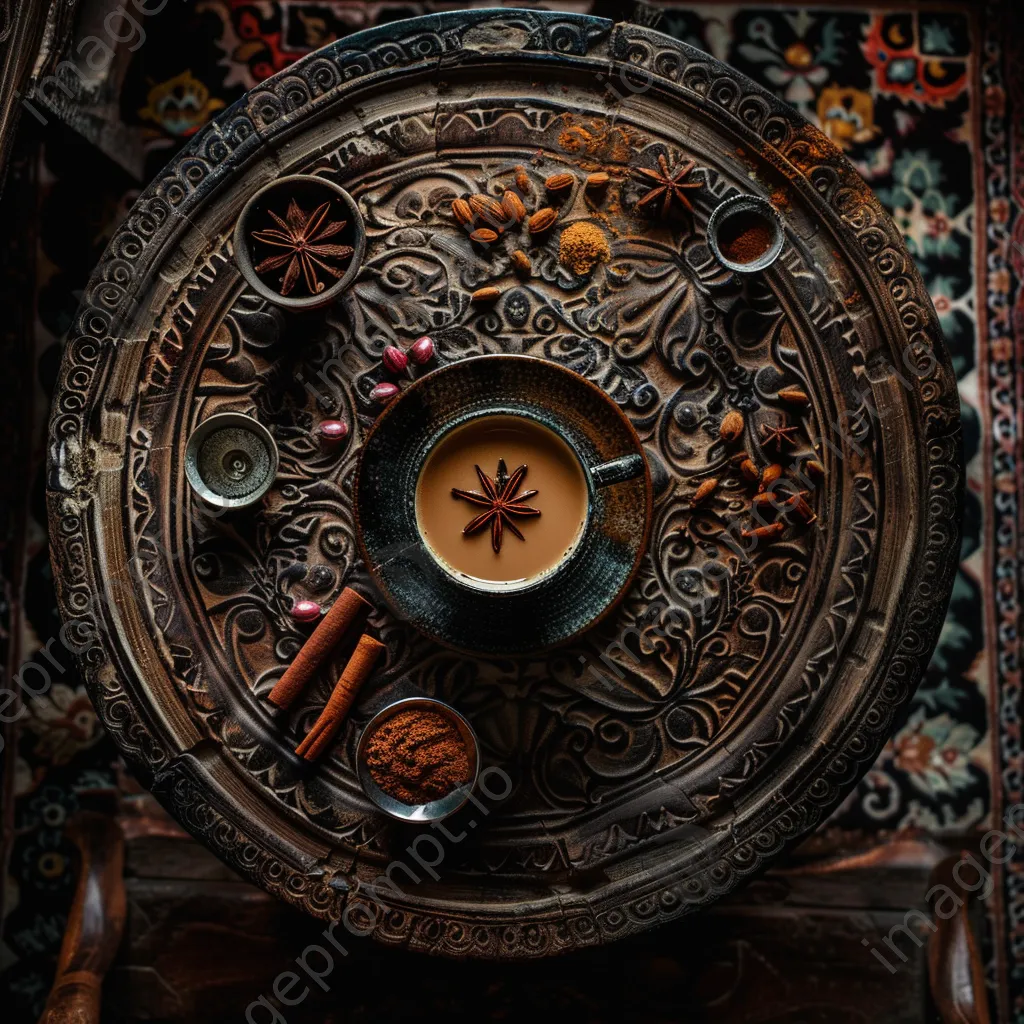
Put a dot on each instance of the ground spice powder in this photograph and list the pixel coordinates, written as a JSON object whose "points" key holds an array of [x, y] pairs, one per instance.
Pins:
{"points": [[744, 237], [417, 756], [581, 245]]}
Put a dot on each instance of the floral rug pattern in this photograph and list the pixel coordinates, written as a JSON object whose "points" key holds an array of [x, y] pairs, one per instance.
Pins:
{"points": [[915, 98]]}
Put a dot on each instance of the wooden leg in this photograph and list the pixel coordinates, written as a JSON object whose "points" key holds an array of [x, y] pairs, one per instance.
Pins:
{"points": [[955, 971], [95, 923]]}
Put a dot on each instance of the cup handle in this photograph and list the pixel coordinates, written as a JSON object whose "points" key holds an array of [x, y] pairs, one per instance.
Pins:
{"points": [[625, 467]]}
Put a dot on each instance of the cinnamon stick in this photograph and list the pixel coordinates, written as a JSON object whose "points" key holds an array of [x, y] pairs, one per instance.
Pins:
{"points": [[355, 673], [334, 625]]}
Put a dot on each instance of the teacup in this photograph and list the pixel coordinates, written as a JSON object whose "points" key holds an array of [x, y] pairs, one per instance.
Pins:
{"points": [[573, 488]]}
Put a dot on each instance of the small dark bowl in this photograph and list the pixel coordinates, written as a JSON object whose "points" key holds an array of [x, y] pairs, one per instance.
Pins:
{"points": [[562, 603], [309, 191]]}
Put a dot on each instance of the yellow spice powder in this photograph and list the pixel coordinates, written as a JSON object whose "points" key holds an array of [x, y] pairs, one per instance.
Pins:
{"points": [[581, 246]]}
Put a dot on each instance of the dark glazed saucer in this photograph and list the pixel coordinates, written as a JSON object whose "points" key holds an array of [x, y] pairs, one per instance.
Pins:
{"points": [[559, 605]]}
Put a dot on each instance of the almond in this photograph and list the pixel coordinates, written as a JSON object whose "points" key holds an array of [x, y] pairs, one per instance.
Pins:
{"points": [[513, 206], [815, 468], [484, 235], [542, 220], [482, 295], [770, 475], [462, 211], [750, 471], [706, 488], [485, 206], [522, 180], [521, 262], [597, 181], [795, 396], [731, 427], [559, 182]]}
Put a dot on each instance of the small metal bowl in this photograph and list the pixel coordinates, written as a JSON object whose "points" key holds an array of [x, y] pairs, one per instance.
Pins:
{"points": [[230, 460], [436, 809], [309, 191], [739, 205]]}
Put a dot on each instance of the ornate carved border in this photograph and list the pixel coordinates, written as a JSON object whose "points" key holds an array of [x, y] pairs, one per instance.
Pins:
{"points": [[84, 432]]}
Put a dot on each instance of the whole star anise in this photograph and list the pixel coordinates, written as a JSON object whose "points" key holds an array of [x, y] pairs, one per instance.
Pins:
{"points": [[778, 436], [667, 185], [301, 237], [501, 502]]}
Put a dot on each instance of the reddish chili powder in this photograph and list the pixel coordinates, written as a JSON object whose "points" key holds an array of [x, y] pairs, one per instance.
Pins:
{"points": [[418, 756], [744, 237]]}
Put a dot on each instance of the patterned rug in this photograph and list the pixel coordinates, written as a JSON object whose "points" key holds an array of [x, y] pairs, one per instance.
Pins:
{"points": [[924, 101]]}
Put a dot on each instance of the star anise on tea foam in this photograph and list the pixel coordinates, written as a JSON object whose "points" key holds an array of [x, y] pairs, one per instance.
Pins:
{"points": [[501, 502], [667, 185], [301, 237]]}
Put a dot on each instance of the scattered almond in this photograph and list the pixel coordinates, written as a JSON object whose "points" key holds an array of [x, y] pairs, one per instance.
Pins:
{"points": [[706, 489], [815, 468], [597, 181], [769, 476], [559, 182], [750, 471], [542, 220], [795, 396], [486, 206], [521, 262], [513, 206], [483, 295], [731, 427], [484, 235], [462, 211]]}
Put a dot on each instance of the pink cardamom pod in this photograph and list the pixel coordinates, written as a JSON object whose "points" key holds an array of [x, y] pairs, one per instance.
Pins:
{"points": [[383, 392], [422, 350], [394, 360], [305, 611], [332, 431]]}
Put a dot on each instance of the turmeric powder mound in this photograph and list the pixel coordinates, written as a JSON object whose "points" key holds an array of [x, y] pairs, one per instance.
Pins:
{"points": [[582, 245]]}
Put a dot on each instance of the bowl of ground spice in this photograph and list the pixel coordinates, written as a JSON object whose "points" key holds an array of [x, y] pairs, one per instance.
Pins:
{"points": [[418, 759], [745, 233]]}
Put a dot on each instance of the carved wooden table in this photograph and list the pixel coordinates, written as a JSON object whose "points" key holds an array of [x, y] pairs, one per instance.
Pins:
{"points": [[737, 693]]}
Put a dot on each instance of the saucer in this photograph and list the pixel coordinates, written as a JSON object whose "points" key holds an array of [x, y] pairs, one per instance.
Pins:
{"points": [[562, 603]]}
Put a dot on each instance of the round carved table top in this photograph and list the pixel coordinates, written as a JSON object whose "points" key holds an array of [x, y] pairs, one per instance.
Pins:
{"points": [[743, 684]]}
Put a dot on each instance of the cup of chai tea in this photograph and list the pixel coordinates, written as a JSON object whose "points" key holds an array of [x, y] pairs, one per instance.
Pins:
{"points": [[502, 504]]}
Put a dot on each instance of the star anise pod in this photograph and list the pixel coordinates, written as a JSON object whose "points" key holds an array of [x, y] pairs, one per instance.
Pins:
{"points": [[779, 435], [501, 502], [667, 185], [301, 236]]}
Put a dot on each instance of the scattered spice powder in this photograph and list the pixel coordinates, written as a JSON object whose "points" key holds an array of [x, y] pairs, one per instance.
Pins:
{"points": [[744, 237], [417, 756], [581, 246]]}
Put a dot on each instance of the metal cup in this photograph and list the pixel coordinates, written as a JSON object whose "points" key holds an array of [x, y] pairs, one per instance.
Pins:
{"points": [[435, 810], [230, 460], [754, 206]]}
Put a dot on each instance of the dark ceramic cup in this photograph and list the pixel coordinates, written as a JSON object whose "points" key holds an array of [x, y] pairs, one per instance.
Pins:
{"points": [[554, 606]]}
